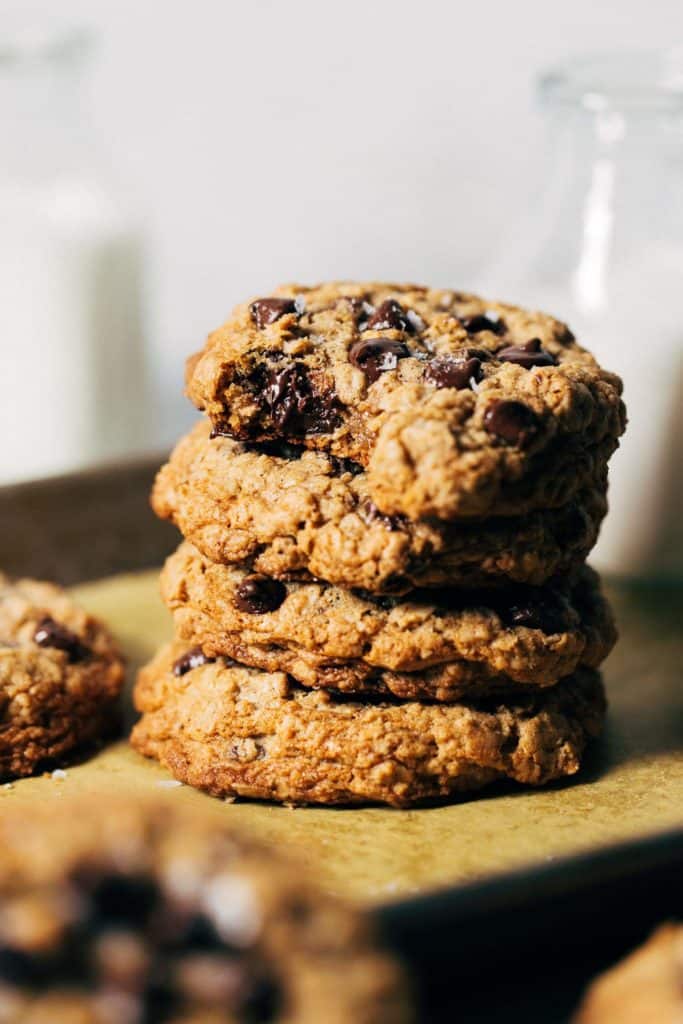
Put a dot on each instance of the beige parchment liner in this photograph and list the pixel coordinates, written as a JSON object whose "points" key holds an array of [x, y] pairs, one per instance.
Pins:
{"points": [[632, 783]]}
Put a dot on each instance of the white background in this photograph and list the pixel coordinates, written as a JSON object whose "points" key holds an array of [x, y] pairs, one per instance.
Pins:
{"points": [[307, 139]]}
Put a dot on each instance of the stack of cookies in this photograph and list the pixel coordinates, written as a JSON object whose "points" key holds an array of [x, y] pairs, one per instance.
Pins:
{"points": [[382, 594]]}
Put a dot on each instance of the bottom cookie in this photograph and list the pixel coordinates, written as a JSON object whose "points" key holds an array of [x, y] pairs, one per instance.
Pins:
{"points": [[237, 731], [148, 913]]}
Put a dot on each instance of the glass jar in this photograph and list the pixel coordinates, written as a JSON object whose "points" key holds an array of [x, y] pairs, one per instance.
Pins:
{"points": [[72, 355], [603, 250]]}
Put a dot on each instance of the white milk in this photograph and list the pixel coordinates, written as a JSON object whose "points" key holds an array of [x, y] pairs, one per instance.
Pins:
{"points": [[72, 362], [71, 347]]}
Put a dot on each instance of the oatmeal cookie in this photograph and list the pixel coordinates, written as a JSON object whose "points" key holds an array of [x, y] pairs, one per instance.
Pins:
{"points": [[60, 676], [433, 645], [295, 514], [455, 405], [237, 731], [147, 911]]}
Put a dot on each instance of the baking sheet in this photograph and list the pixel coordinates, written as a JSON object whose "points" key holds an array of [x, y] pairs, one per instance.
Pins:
{"points": [[632, 784]]}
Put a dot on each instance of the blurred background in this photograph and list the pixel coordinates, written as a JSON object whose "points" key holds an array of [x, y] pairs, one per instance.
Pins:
{"points": [[175, 158]]}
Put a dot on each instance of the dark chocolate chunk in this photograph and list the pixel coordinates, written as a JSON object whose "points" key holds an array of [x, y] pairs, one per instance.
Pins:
{"points": [[527, 355], [483, 322], [341, 466], [257, 594], [295, 405], [161, 1002], [261, 1000], [371, 514], [128, 899], [512, 421], [49, 633], [191, 659], [452, 372], [384, 601], [389, 316], [377, 355], [277, 449], [267, 311], [360, 309], [19, 968], [548, 613]]}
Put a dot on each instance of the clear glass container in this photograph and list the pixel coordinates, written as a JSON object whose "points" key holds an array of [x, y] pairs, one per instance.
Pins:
{"points": [[72, 358], [602, 248]]}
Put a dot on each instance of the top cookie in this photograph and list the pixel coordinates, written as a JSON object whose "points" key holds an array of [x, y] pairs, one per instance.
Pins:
{"points": [[456, 406]]}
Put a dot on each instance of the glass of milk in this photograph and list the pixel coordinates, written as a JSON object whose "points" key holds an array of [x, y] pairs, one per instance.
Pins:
{"points": [[72, 358], [603, 249]]}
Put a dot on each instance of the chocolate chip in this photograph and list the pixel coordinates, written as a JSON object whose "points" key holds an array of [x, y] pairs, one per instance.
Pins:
{"points": [[483, 322], [19, 968], [296, 407], [267, 311], [451, 372], [257, 595], [371, 514], [512, 421], [193, 658], [384, 601], [341, 466], [123, 898], [549, 614], [390, 315], [527, 355], [261, 1001], [377, 355], [160, 1002], [277, 449], [360, 309], [49, 633]]}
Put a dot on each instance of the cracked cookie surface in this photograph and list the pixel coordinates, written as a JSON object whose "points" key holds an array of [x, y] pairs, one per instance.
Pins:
{"points": [[60, 676], [294, 513], [144, 910], [237, 731], [455, 405], [433, 645]]}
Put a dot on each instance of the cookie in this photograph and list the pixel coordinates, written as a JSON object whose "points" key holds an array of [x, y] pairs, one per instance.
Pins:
{"points": [[294, 513], [455, 405], [142, 911], [60, 676], [434, 645], [646, 988], [238, 731]]}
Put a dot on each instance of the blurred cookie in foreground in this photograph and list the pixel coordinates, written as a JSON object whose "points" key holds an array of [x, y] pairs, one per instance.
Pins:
{"points": [[144, 913], [60, 676], [645, 988]]}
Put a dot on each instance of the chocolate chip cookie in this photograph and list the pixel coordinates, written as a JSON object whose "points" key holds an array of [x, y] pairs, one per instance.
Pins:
{"points": [[60, 676], [294, 513], [141, 912], [233, 730], [456, 406], [433, 645], [645, 988]]}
